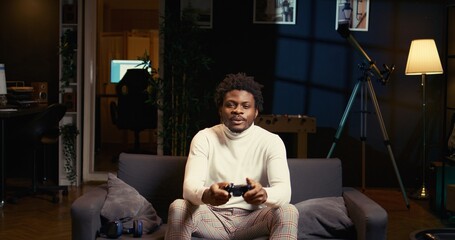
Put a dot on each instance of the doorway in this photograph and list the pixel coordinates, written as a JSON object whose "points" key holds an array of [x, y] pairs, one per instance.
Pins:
{"points": [[126, 30]]}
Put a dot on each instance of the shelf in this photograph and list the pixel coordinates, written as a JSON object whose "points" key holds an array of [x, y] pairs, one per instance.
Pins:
{"points": [[69, 25], [71, 32]]}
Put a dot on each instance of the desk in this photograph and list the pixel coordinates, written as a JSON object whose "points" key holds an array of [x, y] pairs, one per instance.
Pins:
{"points": [[298, 124], [4, 116]]}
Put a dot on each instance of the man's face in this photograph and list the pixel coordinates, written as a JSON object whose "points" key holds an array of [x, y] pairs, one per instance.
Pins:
{"points": [[238, 110]]}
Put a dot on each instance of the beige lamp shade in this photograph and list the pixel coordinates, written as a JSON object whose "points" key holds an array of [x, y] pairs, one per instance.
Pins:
{"points": [[423, 58], [2, 79]]}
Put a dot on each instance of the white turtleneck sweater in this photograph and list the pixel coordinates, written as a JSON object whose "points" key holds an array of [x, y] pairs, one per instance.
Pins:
{"points": [[219, 155]]}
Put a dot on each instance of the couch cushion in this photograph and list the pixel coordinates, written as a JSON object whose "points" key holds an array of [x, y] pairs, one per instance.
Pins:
{"points": [[315, 178], [124, 202], [324, 218]]}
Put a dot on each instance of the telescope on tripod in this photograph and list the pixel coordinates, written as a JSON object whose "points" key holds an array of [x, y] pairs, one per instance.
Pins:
{"points": [[370, 70], [381, 75]]}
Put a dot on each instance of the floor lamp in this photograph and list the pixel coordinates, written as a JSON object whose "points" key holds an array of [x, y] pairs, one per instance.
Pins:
{"points": [[423, 59]]}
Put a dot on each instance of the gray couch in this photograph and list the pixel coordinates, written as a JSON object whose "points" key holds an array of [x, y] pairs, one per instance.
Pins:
{"points": [[159, 179]]}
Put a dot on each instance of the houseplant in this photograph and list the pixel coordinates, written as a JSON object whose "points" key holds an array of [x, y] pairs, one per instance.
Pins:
{"points": [[177, 93], [68, 47], [69, 134]]}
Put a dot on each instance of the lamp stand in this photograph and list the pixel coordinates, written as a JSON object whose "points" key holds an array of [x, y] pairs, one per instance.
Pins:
{"points": [[422, 192]]}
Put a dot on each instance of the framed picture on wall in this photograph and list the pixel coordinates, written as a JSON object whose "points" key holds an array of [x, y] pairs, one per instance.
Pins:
{"points": [[274, 11], [354, 12], [202, 9]]}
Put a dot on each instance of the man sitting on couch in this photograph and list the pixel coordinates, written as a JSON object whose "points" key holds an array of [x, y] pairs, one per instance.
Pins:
{"points": [[235, 152]]}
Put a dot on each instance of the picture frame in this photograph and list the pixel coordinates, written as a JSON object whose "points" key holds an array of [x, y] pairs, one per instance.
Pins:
{"points": [[203, 10], [354, 12], [274, 11]]}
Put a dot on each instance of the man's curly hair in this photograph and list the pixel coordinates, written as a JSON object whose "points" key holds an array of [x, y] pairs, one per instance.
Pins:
{"points": [[239, 81]]}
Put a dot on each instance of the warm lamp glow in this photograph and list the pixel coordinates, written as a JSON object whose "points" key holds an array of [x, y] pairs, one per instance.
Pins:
{"points": [[423, 58], [2, 79]]}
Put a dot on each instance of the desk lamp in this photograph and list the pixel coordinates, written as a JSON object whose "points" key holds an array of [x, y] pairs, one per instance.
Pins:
{"points": [[423, 59], [3, 92]]}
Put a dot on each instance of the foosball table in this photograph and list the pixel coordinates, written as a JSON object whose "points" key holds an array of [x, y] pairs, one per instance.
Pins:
{"points": [[298, 124]]}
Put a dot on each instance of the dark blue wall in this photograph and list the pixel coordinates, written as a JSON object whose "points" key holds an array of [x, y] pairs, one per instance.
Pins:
{"points": [[308, 68]]}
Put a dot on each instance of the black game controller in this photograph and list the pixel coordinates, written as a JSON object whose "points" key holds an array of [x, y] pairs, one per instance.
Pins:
{"points": [[237, 190]]}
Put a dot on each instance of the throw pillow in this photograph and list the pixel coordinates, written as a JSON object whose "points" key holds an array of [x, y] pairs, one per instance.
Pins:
{"points": [[324, 218], [123, 202]]}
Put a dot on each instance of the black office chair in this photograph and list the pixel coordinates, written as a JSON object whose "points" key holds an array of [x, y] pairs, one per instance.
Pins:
{"points": [[132, 112], [37, 134]]}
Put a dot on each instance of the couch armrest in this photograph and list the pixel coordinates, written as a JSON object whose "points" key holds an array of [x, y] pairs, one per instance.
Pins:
{"points": [[370, 219], [86, 213]]}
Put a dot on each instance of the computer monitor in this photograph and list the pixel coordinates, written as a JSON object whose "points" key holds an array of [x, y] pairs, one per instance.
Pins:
{"points": [[119, 68]]}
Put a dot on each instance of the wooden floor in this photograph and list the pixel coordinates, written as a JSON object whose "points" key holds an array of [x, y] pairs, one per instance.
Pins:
{"points": [[38, 218]]}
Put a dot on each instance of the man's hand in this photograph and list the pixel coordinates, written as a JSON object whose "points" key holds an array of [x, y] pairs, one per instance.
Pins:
{"points": [[216, 195], [257, 195]]}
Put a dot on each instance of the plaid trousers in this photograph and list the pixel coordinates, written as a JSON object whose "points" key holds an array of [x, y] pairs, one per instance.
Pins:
{"points": [[205, 221]]}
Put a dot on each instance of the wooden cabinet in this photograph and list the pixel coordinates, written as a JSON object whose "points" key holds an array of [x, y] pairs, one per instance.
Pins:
{"points": [[125, 46], [70, 73]]}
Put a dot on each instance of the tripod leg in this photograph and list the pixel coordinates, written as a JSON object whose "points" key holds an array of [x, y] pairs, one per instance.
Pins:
{"points": [[386, 140], [343, 119], [363, 127]]}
